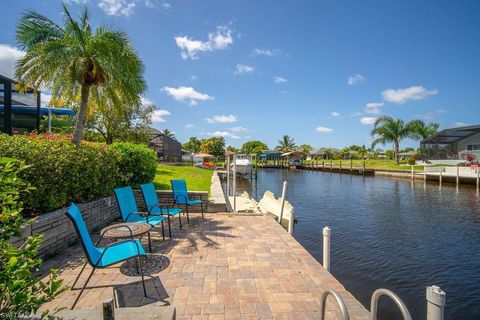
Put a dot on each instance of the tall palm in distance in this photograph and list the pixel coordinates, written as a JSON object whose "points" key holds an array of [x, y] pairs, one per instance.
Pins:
{"points": [[389, 130], [423, 130], [286, 144], [77, 63]]}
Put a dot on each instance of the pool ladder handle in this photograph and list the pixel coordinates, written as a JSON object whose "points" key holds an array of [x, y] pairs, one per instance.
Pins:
{"points": [[373, 306]]}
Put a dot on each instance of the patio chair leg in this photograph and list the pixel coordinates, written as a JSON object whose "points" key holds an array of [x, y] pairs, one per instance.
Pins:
{"points": [[141, 272], [169, 228], [201, 205], [163, 233], [180, 219], [188, 218], [83, 288], [150, 242], [78, 277]]}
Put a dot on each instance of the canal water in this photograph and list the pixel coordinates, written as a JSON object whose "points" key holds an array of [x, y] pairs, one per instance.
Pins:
{"points": [[388, 233]]}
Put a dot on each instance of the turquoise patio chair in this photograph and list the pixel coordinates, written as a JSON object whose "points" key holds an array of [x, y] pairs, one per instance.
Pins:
{"points": [[129, 211], [103, 257], [155, 208], [180, 196]]}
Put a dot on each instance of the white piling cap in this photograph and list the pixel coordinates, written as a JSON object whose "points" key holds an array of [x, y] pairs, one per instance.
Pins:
{"points": [[436, 295], [326, 231]]}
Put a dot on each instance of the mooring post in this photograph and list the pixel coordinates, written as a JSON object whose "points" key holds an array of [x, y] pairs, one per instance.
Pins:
{"points": [[478, 178], [424, 173], [351, 164], [323, 165], [291, 221], [435, 303], [282, 205], [440, 178], [340, 166], [326, 248], [331, 165], [363, 167], [235, 183], [458, 175], [228, 176], [413, 177]]}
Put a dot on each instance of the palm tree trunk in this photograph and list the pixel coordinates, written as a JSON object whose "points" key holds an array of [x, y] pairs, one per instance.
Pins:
{"points": [[397, 150], [82, 115]]}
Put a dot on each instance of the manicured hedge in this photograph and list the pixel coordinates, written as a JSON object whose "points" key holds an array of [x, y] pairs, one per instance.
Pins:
{"points": [[62, 173]]}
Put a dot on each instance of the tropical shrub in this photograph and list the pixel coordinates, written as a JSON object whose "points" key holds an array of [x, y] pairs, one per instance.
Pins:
{"points": [[138, 163], [62, 173], [411, 161], [21, 293]]}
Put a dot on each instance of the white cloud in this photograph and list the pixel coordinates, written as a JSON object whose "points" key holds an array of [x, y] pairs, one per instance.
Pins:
{"points": [[45, 98], [238, 129], [224, 134], [190, 125], [461, 124], [355, 79], [187, 94], [145, 101], [373, 107], [117, 7], [335, 114], [264, 52], [222, 119], [193, 77], [8, 57], [279, 80], [324, 130], [218, 40], [431, 115], [159, 115], [400, 96], [78, 1], [368, 120], [242, 68]]}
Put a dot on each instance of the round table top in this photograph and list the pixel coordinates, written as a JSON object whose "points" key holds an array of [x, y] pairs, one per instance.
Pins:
{"points": [[125, 230]]}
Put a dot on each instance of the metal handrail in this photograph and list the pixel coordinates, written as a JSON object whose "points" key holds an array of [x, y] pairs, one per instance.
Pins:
{"points": [[338, 299], [384, 292]]}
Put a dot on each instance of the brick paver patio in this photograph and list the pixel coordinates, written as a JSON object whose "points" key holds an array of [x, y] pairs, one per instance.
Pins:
{"points": [[221, 267]]}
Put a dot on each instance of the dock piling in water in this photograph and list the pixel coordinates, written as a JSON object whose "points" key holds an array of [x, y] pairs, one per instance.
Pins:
{"points": [[436, 299], [326, 248]]}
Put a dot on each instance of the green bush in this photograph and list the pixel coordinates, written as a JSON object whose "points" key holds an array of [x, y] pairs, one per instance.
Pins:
{"points": [[21, 293], [62, 173], [138, 163], [411, 161]]}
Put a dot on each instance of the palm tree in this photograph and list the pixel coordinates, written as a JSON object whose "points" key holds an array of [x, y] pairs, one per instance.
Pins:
{"points": [[387, 129], [77, 63], [286, 144], [422, 130], [168, 133]]}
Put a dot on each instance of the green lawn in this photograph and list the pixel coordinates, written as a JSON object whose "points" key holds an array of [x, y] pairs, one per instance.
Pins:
{"points": [[372, 164], [197, 179]]}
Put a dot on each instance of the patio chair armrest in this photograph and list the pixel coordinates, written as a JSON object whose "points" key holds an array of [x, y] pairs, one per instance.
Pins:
{"points": [[116, 244], [181, 196], [140, 213]]}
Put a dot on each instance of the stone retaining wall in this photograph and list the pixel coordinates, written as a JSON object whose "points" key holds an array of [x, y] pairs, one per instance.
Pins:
{"points": [[59, 233]]}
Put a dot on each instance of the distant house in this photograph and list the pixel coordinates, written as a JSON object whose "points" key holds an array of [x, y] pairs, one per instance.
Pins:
{"points": [[453, 143], [269, 155], [168, 149], [324, 153]]}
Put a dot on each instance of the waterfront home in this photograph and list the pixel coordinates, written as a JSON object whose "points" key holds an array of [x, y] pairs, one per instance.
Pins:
{"points": [[453, 143], [168, 149]]}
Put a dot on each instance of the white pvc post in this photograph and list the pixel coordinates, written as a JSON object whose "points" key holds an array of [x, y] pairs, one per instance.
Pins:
{"points": [[326, 248], [424, 173], [478, 178], [291, 222], [435, 303], [235, 183], [440, 179], [49, 120], [351, 164], [458, 175], [413, 174], [228, 176], [284, 193]]}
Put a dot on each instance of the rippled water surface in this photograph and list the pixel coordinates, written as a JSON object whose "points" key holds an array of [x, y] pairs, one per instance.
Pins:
{"points": [[388, 233]]}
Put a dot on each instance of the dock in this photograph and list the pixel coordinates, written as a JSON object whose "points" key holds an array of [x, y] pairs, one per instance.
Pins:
{"points": [[224, 266]]}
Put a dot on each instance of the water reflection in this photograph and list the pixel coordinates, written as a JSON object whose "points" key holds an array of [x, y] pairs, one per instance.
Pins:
{"points": [[388, 233]]}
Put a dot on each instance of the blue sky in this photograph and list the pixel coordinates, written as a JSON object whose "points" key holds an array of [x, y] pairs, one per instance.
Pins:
{"points": [[320, 71]]}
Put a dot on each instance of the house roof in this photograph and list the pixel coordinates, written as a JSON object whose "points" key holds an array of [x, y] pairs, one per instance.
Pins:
{"points": [[321, 151], [449, 136]]}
